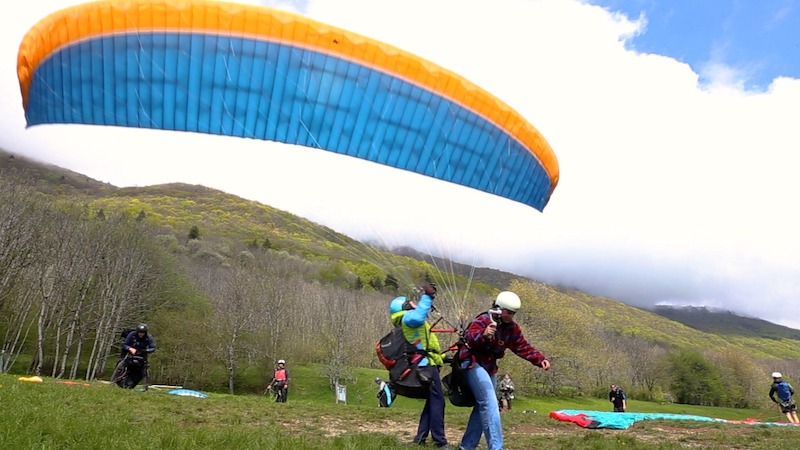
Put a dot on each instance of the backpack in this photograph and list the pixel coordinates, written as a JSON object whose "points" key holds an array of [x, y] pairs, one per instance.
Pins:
{"points": [[783, 390], [401, 359], [386, 396], [455, 384], [124, 335]]}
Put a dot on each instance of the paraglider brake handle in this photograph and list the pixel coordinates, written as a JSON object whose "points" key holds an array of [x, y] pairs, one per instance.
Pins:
{"points": [[494, 312]]}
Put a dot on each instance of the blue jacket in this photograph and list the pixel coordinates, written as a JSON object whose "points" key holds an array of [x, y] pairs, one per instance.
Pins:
{"points": [[418, 332], [144, 345]]}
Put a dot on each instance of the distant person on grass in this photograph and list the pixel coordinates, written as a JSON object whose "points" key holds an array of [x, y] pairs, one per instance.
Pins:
{"points": [[487, 338], [413, 317], [505, 393], [785, 392], [617, 397], [280, 382], [133, 367]]}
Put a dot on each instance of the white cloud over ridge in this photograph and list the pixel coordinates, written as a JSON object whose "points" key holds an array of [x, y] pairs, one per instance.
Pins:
{"points": [[671, 190]]}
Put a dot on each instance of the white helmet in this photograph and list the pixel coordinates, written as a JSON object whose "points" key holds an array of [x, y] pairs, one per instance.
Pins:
{"points": [[776, 375], [508, 300], [280, 361]]}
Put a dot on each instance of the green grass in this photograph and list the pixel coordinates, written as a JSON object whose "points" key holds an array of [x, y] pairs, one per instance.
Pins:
{"points": [[55, 416]]}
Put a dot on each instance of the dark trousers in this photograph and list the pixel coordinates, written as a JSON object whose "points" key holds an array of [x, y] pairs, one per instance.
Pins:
{"points": [[432, 418], [283, 391]]}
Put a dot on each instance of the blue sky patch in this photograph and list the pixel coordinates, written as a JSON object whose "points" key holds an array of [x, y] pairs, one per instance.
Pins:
{"points": [[758, 39]]}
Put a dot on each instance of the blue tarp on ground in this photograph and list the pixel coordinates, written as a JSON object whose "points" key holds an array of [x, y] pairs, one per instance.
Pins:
{"points": [[621, 421]]}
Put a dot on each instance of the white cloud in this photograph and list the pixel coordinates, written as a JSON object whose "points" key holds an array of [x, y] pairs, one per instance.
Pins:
{"points": [[670, 191]]}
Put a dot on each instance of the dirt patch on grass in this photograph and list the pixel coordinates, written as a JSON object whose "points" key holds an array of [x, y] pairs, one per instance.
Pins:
{"points": [[688, 437], [699, 437], [330, 426], [405, 430], [540, 430]]}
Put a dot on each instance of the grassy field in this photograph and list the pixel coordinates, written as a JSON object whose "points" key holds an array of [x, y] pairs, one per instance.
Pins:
{"points": [[50, 415]]}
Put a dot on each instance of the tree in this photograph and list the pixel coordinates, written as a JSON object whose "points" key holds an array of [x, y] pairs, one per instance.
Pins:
{"points": [[391, 282], [194, 233], [20, 227], [567, 335], [694, 379], [743, 379], [236, 310], [350, 321], [644, 359]]}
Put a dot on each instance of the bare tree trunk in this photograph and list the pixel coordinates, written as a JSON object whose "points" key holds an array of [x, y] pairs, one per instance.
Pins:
{"points": [[231, 362], [73, 373], [100, 330], [68, 343], [37, 367], [57, 345]]}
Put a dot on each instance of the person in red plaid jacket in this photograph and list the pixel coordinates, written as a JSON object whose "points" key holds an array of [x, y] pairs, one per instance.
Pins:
{"points": [[487, 338]]}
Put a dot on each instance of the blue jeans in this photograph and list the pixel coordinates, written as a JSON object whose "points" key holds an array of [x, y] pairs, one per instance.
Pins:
{"points": [[432, 418], [485, 417]]}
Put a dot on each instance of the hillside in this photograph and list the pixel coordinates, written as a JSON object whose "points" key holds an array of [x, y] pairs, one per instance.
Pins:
{"points": [[632, 321], [492, 277], [223, 219], [726, 323], [53, 179]]}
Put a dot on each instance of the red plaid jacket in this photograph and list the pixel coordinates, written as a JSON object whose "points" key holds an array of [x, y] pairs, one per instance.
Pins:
{"points": [[486, 351]]}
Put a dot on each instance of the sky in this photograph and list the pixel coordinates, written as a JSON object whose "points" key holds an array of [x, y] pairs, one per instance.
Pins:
{"points": [[751, 41], [675, 126]]}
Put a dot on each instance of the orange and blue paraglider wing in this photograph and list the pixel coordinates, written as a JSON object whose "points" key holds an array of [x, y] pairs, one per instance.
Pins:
{"points": [[253, 72]]}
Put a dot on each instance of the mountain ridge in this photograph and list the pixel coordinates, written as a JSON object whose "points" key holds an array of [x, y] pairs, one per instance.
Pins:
{"points": [[721, 321]]}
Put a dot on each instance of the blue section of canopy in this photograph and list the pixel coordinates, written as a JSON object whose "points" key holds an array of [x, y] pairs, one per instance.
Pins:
{"points": [[187, 393], [265, 90]]}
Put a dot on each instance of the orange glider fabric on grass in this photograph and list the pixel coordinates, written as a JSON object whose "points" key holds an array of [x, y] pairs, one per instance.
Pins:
{"points": [[246, 71]]}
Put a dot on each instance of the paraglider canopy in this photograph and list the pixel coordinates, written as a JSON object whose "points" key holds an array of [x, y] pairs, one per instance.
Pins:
{"points": [[253, 72], [187, 393]]}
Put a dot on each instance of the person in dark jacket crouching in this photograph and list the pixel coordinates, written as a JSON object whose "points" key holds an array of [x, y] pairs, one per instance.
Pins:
{"points": [[133, 367]]}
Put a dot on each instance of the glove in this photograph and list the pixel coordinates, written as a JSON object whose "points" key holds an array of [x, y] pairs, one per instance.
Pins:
{"points": [[429, 290]]}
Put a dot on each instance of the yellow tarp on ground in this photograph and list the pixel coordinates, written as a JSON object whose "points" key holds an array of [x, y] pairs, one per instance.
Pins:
{"points": [[33, 379]]}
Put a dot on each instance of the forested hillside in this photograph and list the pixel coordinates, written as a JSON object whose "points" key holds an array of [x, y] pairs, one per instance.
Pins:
{"points": [[727, 323], [228, 286]]}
